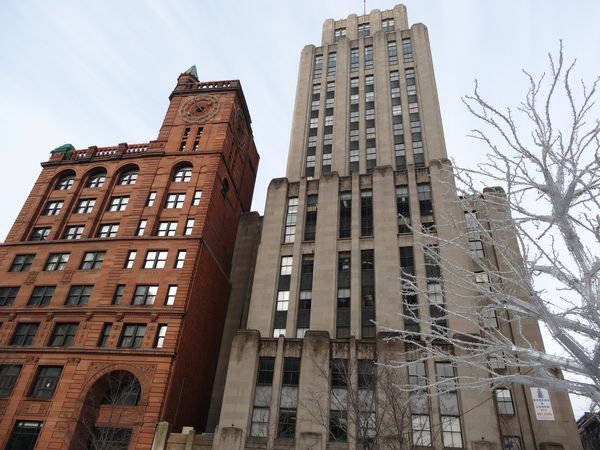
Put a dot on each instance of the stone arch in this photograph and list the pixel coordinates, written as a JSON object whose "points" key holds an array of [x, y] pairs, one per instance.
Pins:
{"points": [[110, 409]]}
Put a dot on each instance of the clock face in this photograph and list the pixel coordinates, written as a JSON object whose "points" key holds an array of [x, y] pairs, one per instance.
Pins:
{"points": [[199, 108], [241, 133]]}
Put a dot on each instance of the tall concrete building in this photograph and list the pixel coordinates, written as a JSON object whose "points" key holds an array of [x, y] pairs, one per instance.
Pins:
{"points": [[115, 279], [338, 242]]}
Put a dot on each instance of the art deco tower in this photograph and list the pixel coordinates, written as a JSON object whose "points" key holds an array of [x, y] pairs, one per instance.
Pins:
{"points": [[362, 205], [115, 279]]}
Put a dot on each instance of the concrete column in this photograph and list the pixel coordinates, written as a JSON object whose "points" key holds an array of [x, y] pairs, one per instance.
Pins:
{"points": [[262, 302], [160, 436]]}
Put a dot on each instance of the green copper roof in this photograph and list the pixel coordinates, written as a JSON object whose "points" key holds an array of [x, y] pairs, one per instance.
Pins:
{"points": [[65, 148], [192, 71]]}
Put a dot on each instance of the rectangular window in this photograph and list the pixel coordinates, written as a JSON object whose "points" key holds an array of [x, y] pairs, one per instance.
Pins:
{"points": [[73, 232], [310, 224], [339, 380], [345, 224], [262, 397], [133, 335], [189, 227], [41, 295], [46, 382], [476, 249], [449, 410], [79, 294], [171, 295], [8, 378], [366, 213], [511, 443], [151, 199], [96, 180], [180, 260], [407, 50], [387, 25], [24, 334], [160, 336], [104, 335], [63, 335], [368, 57], [156, 259], [392, 53], [197, 197], [286, 426], [118, 203], [85, 206], [343, 296], [130, 259], [426, 207], [108, 230], [175, 201], [166, 229], [305, 295], [421, 430], [367, 292], [504, 401], [338, 34], [290, 220], [92, 260], [57, 261], [118, 296], [141, 227], [331, 64], [364, 29], [318, 67], [24, 435], [403, 209], [490, 317], [52, 208], [21, 263], [409, 291], [283, 296], [8, 295], [40, 234], [354, 60], [144, 294]]}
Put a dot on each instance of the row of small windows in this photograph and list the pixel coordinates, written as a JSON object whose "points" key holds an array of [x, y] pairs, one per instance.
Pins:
{"points": [[119, 203], [110, 230], [364, 29], [366, 213], [368, 61], [340, 382], [155, 259], [370, 132], [182, 174], [79, 295], [63, 335]]}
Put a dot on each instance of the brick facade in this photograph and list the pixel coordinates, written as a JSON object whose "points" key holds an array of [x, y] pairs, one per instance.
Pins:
{"points": [[176, 378]]}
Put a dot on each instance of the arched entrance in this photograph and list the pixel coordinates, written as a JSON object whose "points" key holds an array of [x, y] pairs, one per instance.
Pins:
{"points": [[109, 413]]}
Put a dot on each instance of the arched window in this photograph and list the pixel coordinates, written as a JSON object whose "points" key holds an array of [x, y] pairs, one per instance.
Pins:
{"points": [[183, 174], [122, 388], [128, 177], [96, 179], [65, 182]]}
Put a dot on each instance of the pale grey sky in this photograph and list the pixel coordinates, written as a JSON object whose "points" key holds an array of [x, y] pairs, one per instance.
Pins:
{"points": [[99, 73]]}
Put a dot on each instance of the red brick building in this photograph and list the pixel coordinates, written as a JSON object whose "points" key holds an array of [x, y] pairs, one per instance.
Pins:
{"points": [[115, 279]]}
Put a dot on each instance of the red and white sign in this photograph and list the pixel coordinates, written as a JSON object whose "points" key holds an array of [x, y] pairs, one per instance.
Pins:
{"points": [[542, 404]]}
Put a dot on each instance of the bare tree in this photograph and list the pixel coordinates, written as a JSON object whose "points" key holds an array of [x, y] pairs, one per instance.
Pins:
{"points": [[373, 405], [508, 257], [106, 414]]}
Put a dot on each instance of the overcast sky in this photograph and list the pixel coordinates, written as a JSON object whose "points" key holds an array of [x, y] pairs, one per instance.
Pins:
{"points": [[100, 73]]}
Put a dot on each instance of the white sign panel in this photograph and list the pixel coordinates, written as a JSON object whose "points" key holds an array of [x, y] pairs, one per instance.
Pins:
{"points": [[542, 404]]}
